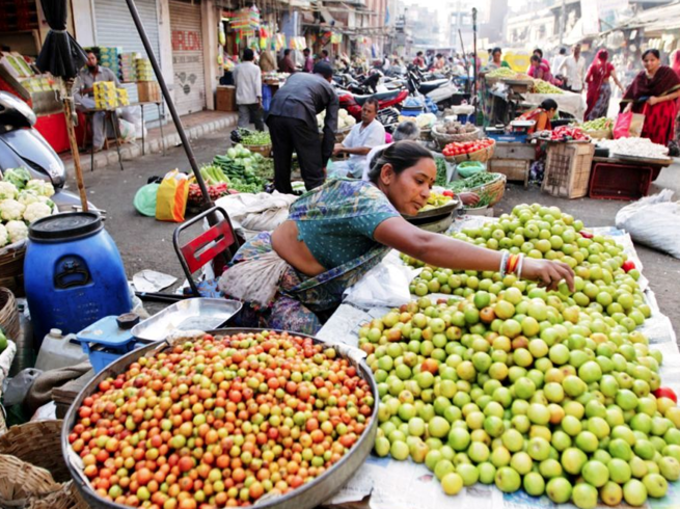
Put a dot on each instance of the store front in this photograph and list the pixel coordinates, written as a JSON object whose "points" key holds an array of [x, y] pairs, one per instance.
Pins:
{"points": [[187, 57]]}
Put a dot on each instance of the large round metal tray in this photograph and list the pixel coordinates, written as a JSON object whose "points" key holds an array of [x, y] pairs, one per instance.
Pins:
{"points": [[306, 496]]}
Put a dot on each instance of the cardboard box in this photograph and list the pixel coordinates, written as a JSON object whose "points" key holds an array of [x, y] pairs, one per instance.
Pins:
{"points": [[148, 92], [225, 98]]}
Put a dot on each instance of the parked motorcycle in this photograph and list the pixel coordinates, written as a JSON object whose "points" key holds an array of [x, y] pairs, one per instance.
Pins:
{"points": [[442, 91], [388, 102], [23, 146]]}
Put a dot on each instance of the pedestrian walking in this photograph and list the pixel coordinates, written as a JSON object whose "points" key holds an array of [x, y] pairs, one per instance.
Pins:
{"points": [[248, 80], [309, 61], [286, 64], [293, 127], [574, 69], [599, 89]]}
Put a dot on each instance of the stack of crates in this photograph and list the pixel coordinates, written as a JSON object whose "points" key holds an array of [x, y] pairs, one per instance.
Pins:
{"points": [[128, 71], [123, 98], [144, 70], [108, 57], [105, 95]]}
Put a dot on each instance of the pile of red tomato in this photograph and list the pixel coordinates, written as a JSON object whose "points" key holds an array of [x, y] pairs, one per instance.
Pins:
{"points": [[221, 422], [466, 147]]}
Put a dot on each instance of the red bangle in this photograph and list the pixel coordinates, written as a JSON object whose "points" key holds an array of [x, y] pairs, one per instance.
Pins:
{"points": [[512, 263]]}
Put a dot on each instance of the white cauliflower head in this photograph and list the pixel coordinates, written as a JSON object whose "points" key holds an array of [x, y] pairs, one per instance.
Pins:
{"points": [[40, 187], [8, 191], [36, 210], [11, 210], [47, 201], [4, 237], [17, 230], [28, 197]]}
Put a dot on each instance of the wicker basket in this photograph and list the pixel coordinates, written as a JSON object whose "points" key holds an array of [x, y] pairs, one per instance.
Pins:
{"points": [[67, 497], [482, 155], [443, 139], [9, 314], [426, 134], [494, 189], [12, 268], [38, 443], [19, 481], [602, 134], [263, 150]]}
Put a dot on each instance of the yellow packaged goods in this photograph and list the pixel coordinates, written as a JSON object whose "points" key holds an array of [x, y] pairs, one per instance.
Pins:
{"points": [[172, 196], [123, 99], [105, 95], [143, 69]]}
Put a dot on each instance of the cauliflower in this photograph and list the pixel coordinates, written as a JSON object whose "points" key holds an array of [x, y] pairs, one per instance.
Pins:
{"points": [[47, 201], [11, 209], [4, 238], [35, 211], [40, 187], [28, 197], [17, 176], [8, 191], [17, 230]]}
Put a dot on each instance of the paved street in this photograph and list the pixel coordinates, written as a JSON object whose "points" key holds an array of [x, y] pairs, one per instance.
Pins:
{"points": [[146, 243]]}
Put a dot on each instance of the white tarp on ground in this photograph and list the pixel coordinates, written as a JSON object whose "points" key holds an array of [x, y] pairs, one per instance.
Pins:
{"points": [[391, 484]]}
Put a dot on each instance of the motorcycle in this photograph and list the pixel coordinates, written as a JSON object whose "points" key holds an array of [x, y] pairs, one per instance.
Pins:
{"points": [[443, 91], [388, 113], [23, 146]]}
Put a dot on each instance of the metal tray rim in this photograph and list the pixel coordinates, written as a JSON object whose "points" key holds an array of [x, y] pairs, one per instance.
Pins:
{"points": [[363, 446]]}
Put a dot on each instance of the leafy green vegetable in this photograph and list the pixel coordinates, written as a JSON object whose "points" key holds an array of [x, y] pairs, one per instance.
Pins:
{"points": [[17, 176]]}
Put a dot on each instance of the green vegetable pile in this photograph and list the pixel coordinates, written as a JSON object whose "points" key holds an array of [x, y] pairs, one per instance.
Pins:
{"points": [[477, 180], [243, 169], [599, 124], [441, 172], [255, 138]]}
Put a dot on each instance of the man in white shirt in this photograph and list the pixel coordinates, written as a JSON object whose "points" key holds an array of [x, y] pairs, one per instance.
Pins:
{"points": [[361, 139], [574, 69], [248, 81], [558, 60]]}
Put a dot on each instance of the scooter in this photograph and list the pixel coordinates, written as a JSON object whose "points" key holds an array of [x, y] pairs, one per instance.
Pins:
{"points": [[443, 92], [23, 146], [388, 113]]}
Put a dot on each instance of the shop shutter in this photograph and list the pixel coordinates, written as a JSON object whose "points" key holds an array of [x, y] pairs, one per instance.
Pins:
{"points": [[187, 57], [115, 28]]}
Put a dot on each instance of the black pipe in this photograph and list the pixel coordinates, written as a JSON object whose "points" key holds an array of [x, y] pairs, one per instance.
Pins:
{"points": [[171, 105]]}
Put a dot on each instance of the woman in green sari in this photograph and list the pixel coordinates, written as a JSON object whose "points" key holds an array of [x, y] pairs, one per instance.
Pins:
{"points": [[294, 277]]}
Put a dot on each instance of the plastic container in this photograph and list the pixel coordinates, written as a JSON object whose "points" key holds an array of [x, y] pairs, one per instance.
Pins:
{"points": [[615, 181], [59, 351], [74, 274], [105, 341]]}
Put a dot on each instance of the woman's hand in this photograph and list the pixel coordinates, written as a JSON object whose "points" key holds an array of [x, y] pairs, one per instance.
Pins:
{"points": [[653, 100], [469, 198], [548, 273], [629, 108]]}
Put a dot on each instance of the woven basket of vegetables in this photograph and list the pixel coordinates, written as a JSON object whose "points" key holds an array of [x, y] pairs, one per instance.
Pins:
{"points": [[444, 134], [601, 134], [263, 150], [483, 154], [489, 186]]}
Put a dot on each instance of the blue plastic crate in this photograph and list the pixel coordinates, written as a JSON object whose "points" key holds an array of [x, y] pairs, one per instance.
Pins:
{"points": [[508, 138]]}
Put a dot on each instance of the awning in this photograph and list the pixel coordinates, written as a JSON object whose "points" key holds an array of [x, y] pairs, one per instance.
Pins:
{"points": [[656, 19]]}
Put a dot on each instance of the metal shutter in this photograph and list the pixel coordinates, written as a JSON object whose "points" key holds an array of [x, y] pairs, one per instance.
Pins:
{"points": [[115, 28], [187, 57]]}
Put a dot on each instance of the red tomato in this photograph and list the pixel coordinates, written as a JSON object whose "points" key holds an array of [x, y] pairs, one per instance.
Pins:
{"points": [[628, 265]]}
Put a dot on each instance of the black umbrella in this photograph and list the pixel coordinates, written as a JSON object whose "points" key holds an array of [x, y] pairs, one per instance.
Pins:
{"points": [[63, 57]]}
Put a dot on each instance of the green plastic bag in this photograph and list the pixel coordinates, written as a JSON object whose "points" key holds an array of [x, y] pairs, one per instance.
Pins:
{"points": [[469, 168]]}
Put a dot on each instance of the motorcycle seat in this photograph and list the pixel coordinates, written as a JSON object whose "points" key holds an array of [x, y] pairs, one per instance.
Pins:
{"points": [[429, 86], [382, 96]]}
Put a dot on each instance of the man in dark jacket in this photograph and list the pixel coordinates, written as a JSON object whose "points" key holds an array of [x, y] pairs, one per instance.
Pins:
{"points": [[293, 126]]}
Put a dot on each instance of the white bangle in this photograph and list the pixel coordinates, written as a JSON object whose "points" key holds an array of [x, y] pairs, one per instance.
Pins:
{"points": [[519, 266], [504, 263]]}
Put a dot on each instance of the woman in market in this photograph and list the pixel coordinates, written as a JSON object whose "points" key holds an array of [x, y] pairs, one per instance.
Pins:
{"points": [[675, 144], [599, 89], [539, 69], [654, 93], [295, 276], [542, 115], [496, 61]]}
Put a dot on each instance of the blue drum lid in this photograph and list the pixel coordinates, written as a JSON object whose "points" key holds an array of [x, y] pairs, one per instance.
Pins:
{"points": [[66, 226]]}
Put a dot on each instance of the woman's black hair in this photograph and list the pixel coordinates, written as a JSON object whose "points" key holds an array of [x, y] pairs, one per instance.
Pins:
{"points": [[539, 51], [654, 52], [535, 58], [401, 155], [548, 104], [496, 50]]}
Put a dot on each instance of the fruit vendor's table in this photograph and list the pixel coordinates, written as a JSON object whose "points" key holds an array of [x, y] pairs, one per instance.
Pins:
{"points": [[568, 102], [406, 485]]}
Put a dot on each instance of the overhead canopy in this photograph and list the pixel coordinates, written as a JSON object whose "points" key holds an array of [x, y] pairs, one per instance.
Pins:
{"points": [[656, 19]]}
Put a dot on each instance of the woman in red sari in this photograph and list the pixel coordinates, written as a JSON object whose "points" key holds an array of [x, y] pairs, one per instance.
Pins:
{"points": [[599, 90], [653, 93], [675, 144]]}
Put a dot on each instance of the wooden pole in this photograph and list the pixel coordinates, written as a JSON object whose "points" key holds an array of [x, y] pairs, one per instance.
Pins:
{"points": [[68, 111]]}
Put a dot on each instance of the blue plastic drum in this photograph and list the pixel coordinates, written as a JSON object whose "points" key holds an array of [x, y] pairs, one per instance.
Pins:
{"points": [[73, 273]]}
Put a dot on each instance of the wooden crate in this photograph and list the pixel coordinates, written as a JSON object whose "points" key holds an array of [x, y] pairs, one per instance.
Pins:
{"points": [[513, 150], [148, 92], [225, 98], [513, 169], [567, 169]]}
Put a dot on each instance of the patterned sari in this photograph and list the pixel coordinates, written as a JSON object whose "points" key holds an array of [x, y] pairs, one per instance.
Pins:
{"points": [[302, 303]]}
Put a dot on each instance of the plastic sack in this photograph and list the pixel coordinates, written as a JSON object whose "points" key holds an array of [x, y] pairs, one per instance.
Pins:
{"points": [[256, 213], [469, 168], [628, 125], [19, 386], [172, 196], [653, 221], [386, 284], [127, 130]]}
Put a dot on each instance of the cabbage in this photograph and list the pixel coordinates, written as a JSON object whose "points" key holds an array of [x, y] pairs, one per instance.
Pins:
{"points": [[17, 176]]}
